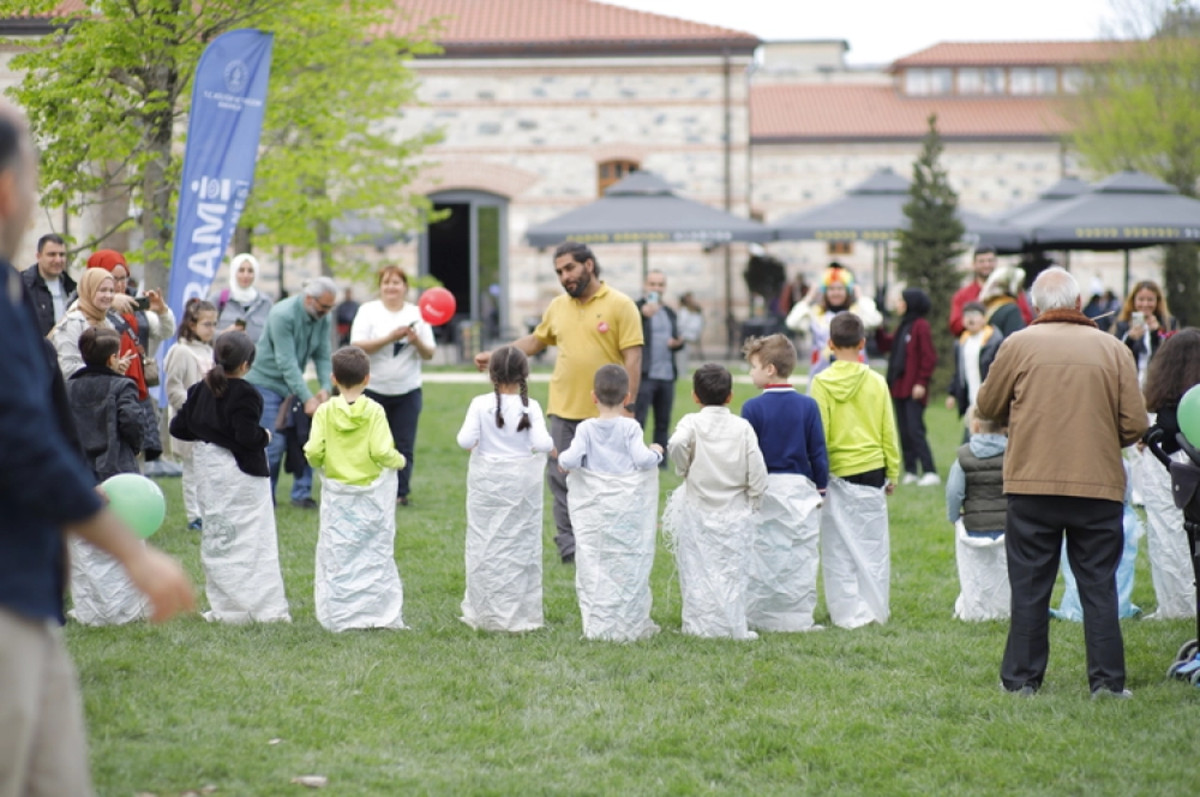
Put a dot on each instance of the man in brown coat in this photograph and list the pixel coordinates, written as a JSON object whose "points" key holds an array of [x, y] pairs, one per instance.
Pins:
{"points": [[1069, 396]]}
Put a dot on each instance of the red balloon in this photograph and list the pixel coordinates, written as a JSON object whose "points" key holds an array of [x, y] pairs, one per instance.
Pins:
{"points": [[437, 306]]}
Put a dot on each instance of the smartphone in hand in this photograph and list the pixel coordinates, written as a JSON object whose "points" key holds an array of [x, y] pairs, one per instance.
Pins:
{"points": [[143, 302]]}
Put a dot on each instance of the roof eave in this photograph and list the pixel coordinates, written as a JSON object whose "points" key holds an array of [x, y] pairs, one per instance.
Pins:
{"points": [[560, 49], [30, 26], [906, 137]]}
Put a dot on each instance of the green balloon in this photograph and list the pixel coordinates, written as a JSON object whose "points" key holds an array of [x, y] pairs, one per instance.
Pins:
{"points": [[136, 500], [1189, 415]]}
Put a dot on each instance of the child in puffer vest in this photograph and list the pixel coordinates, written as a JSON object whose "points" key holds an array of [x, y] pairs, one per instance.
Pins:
{"points": [[976, 505]]}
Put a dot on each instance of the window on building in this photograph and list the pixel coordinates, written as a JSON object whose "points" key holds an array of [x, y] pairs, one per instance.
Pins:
{"points": [[841, 247], [1072, 80], [1047, 80], [1022, 80], [916, 81], [941, 81], [970, 81], [993, 81], [610, 172]]}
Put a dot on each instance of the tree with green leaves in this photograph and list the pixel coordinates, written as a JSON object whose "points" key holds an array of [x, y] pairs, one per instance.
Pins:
{"points": [[108, 91], [929, 247], [1140, 111]]}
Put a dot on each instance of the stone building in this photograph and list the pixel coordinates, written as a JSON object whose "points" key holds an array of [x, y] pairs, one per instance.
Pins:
{"points": [[818, 128]]}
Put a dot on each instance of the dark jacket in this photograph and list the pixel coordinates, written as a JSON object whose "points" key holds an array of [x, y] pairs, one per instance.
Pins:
{"points": [[231, 422], [108, 418], [958, 383], [43, 303], [1149, 342], [646, 334], [43, 483], [919, 359], [984, 504]]}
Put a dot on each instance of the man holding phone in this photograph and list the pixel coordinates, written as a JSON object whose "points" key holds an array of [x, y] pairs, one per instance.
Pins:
{"points": [[660, 330]]}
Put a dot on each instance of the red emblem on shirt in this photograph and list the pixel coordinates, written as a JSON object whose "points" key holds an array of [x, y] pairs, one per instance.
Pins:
{"points": [[602, 326]]}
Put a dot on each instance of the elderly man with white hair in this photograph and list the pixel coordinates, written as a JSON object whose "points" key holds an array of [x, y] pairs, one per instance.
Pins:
{"points": [[298, 329], [1069, 396]]}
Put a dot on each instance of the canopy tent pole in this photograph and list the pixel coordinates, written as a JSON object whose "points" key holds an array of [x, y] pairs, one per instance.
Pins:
{"points": [[1126, 291], [645, 261]]}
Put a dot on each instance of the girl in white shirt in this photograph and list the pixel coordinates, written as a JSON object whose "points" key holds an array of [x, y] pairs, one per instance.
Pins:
{"points": [[507, 436]]}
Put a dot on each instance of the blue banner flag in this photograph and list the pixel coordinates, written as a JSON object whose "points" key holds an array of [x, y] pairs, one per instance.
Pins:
{"points": [[229, 96]]}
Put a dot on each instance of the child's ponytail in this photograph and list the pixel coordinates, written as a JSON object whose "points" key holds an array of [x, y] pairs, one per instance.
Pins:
{"points": [[525, 421], [499, 412], [508, 365], [232, 350]]}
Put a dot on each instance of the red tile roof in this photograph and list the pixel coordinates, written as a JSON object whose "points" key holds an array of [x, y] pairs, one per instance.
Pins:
{"points": [[848, 112], [61, 10], [1061, 53], [486, 26]]}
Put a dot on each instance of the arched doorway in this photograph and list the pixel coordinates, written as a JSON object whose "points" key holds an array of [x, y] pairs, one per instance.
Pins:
{"points": [[468, 253]]}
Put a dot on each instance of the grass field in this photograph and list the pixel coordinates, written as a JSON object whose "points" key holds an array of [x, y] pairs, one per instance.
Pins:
{"points": [[913, 707]]}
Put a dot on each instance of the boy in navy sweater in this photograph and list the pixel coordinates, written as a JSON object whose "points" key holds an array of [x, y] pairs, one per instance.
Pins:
{"points": [[783, 571]]}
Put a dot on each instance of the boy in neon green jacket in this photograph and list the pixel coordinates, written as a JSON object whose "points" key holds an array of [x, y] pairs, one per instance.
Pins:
{"points": [[350, 436], [357, 583], [864, 464]]}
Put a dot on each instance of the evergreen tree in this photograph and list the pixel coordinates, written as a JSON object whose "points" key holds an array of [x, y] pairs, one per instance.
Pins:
{"points": [[931, 244]]}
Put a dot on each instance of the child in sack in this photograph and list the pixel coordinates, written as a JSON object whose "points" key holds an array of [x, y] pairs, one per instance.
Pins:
{"points": [[110, 421], [710, 518], [239, 549], [783, 572], [506, 434], [976, 505], [186, 364], [613, 500], [864, 463], [357, 584]]}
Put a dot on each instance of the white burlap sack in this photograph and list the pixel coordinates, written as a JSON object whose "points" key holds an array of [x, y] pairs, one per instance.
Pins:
{"points": [[239, 550], [1170, 557], [855, 554], [615, 518], [357, 584], [712, 553], [782, 590], [101, 591], [504, 543], [984, 592]]}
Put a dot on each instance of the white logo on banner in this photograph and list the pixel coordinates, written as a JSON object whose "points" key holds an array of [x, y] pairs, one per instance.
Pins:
{"points": [[237, 74]]}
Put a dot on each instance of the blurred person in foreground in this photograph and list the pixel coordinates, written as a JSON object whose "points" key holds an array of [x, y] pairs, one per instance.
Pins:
{"points": [[46, 491]]}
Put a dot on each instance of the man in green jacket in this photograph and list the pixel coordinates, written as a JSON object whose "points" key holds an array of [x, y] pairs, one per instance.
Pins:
{"points": [[298, 329]]}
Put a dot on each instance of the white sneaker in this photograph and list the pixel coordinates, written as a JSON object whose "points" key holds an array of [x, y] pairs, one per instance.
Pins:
{"points": [[929, 480], [910, 478]]}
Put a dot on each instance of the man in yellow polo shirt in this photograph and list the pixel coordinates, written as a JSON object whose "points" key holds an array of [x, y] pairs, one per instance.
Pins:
{"points": [[592, 325]]}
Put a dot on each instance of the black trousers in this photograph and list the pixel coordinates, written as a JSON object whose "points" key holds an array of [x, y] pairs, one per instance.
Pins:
{"points": [[658, 394], [1033, 539], [402, 413], [910, 423], [562, 431]]}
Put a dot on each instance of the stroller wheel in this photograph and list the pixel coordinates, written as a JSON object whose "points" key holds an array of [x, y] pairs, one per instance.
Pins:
{"points": [[1189, 650], [1183, 669], [1195, 677]]}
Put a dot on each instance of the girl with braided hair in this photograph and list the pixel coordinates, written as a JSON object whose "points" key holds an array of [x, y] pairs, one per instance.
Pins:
{"points": [[506, 434]]}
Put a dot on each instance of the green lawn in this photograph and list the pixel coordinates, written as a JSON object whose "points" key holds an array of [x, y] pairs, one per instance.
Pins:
{"points": [[913, 707]]}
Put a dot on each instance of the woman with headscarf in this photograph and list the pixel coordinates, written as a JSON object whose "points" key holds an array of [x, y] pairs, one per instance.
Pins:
{"points": [[834, 293], [142, 330], [999, 296], [96, 290], [242, 305], [910, 368]]}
